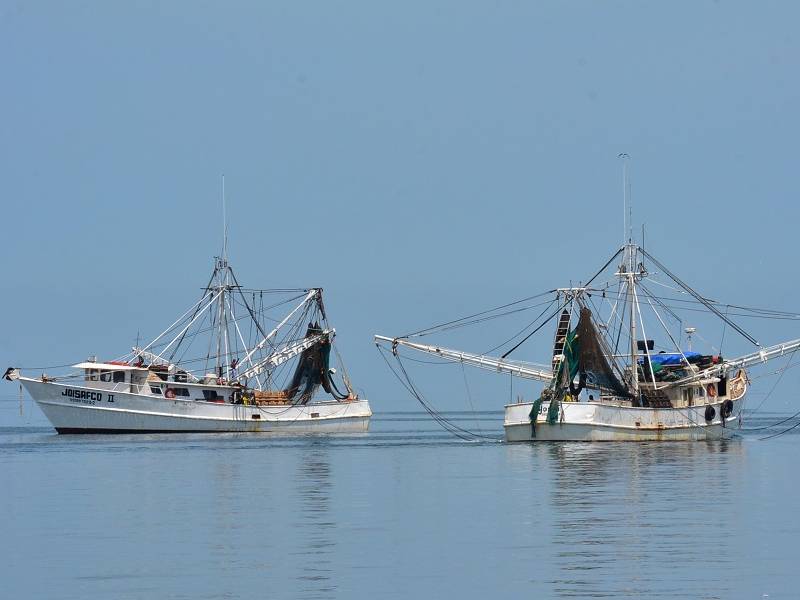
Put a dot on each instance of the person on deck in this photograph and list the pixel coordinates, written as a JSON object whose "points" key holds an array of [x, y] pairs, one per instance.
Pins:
{"points": [[234, 364]]}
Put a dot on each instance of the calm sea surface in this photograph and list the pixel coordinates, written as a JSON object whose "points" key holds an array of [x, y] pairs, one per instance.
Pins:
{"points": [[404, 511]]}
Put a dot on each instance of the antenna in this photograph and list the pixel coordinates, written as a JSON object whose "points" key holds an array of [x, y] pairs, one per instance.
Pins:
{"points": [[224, 223], [643, 245], [689, 331], [630, 201], [626, 216]]}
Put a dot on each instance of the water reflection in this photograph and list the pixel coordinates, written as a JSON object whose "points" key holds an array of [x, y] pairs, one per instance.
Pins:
{"points": [[620, 512], [404, 512], [315, 524]]}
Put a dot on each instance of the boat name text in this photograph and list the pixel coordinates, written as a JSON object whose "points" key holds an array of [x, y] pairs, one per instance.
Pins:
{"points": [[85, 396]]}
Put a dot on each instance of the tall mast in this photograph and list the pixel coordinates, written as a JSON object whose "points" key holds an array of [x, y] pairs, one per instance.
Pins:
{"points": [[632, 303], [628, 271], [225, 358], [220, 288], [225, 282], [221, 269]]}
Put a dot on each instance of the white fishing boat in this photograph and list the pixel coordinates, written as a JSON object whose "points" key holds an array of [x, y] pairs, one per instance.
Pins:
{"points": [[594, 390], [239, 379], [607, 380]]}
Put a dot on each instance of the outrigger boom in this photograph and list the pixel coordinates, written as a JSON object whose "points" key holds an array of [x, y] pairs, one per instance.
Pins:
{"points": [[490, 363], [542, 373], [748, 360]]}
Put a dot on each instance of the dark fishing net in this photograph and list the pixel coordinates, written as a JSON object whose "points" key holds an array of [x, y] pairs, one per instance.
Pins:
{"points": [[313, 371], [593, 366]]}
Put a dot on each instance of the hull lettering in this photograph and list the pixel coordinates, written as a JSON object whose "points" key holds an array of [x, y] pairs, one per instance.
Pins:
{"points": [[82, 396]]}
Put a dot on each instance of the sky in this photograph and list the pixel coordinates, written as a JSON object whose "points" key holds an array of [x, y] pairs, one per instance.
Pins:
{"points": [[418, 160]]}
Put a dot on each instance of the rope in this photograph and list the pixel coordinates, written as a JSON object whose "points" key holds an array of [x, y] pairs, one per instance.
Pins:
{"points": [[519, 333], [545, 322], [700, 298], [449, 426], [432, 328], [780, 373], [469, 397], [787, 430]]}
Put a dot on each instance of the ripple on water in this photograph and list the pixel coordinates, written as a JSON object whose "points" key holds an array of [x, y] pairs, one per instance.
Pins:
{"points": [[403, 510]]}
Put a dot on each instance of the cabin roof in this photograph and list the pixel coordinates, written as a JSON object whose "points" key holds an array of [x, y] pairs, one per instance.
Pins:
{"points": [[107, 366]]}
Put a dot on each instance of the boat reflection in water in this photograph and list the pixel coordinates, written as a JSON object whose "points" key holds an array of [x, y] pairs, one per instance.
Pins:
{"points": [[606, 526], [313, 561]]}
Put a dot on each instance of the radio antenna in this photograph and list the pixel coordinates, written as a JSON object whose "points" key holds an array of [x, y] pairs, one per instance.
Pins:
{"points": [[626, 215], [224, 223]]}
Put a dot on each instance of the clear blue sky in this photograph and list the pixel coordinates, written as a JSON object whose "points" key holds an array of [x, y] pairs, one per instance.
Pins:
{"points": [[418, 159]]}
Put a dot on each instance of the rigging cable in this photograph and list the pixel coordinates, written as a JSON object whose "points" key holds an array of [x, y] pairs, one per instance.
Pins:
{"points": [[469, 398], [405, 381], [700, 298], [605, 266], [772, 389], [520, 332], [787, 430], [432, 328], [545, 322]]}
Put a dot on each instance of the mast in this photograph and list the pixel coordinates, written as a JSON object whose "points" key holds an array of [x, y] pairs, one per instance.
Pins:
{"points": [[222, 269], [220, 288], [214, 319], [627, 272], [632, 317], [225, 358]]}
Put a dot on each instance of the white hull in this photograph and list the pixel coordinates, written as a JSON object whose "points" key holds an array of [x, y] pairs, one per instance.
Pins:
{"points": [[593, 421], [101, 411]]}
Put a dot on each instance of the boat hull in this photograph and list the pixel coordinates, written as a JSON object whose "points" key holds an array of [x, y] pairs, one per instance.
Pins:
{"points": [[590, 421], [100, 411]]}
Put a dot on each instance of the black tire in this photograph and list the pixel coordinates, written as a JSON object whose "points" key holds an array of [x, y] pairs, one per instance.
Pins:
{"points": [[726, 409]]}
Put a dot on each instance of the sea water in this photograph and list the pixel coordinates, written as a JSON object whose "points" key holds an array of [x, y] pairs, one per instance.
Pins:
{"points": [[404, 511]]}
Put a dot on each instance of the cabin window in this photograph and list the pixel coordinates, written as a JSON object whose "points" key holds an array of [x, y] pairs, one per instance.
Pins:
{"points": [[119, 376], [722, 386], [92, 374], [154, 389], [183, 392], [211, 395], [105, 375]]}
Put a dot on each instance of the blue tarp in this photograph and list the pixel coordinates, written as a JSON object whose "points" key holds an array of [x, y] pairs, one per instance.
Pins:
{"points": [[668, 358]]}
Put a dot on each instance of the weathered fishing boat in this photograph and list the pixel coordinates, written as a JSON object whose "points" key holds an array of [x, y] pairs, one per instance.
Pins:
{"points": [[604, 382], [242, 381]]}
